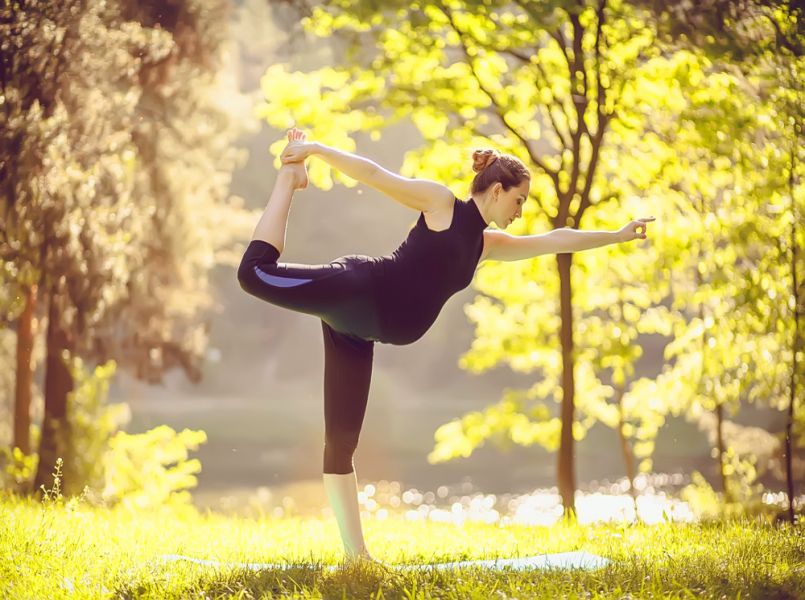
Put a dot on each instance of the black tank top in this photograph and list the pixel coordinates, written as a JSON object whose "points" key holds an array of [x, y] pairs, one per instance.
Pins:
{"points": [[413, 283]]}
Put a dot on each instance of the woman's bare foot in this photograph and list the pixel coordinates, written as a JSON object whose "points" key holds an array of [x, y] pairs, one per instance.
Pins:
{"points": [[297, 169], [297, 173], [364, 558]]}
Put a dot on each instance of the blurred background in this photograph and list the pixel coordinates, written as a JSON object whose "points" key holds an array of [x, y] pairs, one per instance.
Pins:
{"points": [[139, 145]]}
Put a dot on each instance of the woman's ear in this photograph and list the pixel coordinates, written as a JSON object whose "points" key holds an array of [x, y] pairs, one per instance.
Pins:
{"points": [[497, 188]]}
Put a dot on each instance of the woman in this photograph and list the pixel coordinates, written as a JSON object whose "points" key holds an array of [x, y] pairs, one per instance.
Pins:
{"points": [[391, 299]]}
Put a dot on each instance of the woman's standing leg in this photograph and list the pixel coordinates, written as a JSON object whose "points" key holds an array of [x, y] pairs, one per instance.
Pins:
{"points": [[347, 375]]}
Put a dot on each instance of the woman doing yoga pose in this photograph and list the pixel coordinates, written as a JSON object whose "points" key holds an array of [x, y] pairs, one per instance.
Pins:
{"points": [[391, 299]]}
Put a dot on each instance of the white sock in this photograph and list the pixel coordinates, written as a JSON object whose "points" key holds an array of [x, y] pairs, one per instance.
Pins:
{"points": [[342, 492]]}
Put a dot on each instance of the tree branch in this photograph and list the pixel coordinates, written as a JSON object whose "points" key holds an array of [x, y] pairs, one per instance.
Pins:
{"points": [[597, 139], [527, 60], [588, 180], [496, 106], [792, 45], [565, 142], [601, 90], [580, 100], [560, 39]]}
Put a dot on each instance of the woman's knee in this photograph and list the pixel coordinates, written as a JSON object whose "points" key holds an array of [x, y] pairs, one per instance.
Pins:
{"points": [[339, 448], [258, 253]]}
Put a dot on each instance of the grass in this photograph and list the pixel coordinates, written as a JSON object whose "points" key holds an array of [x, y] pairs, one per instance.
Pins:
{"points": [[55, 550]]}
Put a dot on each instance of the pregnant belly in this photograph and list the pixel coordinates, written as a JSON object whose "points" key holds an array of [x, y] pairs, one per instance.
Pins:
{"points": [[404, 321]]}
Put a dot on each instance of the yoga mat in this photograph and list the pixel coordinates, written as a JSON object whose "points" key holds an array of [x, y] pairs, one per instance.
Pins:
{"points": [[561, 560]]}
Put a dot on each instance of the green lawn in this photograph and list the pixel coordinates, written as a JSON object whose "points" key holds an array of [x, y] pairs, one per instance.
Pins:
{"points": [[53, 551]]}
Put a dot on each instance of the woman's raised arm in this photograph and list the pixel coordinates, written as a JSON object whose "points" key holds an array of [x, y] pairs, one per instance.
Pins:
{"points": [[420, 194], [349, 164]]}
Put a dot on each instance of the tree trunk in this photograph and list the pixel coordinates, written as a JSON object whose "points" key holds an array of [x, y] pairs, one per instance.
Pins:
{"points": [[58, 383], [626, 451], [789, 470], [789, 458], [720, 449], [566, 468], [26, 331]]}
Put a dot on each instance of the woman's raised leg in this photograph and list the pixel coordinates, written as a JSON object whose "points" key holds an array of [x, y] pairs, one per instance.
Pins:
{"points": [[291, 177]]}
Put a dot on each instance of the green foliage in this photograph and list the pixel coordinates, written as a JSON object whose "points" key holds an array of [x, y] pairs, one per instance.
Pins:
{"points": [[92, 423], [115, 163], [738, 31], [503, 423], [68, 156], [707, 504], [104, 464], [750, 453], [300, 98], [17, 468], [139, 471], [116, 152], [152, 468], [702, 498], [732, 277]]}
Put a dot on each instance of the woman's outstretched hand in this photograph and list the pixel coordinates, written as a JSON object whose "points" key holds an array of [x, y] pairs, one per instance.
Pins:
{"points": [[298, 149], [629, 232]]}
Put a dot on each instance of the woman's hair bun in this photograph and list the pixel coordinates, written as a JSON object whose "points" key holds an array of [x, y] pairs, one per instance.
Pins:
{"points": [[481, 159]]}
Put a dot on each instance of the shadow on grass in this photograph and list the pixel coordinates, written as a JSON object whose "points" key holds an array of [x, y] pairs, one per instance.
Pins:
{"points": [[354, 580]]}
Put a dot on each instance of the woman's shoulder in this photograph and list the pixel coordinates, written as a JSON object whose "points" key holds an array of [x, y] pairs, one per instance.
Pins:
{"points": [[440, 217], [442, 204]]}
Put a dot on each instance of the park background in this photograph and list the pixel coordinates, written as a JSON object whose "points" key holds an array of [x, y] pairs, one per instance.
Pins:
{"points": [[258, 391]]}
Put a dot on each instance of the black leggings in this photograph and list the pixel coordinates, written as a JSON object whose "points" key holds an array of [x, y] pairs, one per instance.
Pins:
{"points": [[340, 294]]}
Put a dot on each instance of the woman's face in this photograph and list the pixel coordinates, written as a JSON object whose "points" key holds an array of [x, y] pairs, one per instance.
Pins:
{"points": [[508, 205]]}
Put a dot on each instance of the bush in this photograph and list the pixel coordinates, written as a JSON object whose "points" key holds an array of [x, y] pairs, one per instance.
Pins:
{"points": [[17, 469], [108, 466], [91, 423], [148, 469]]}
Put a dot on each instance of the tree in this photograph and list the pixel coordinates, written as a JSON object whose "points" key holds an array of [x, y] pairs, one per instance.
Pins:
{"points": [[762, 40], [730, 297], [737, 31], [66, 112], [114, 210], [183, 134], [545, 81]]}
